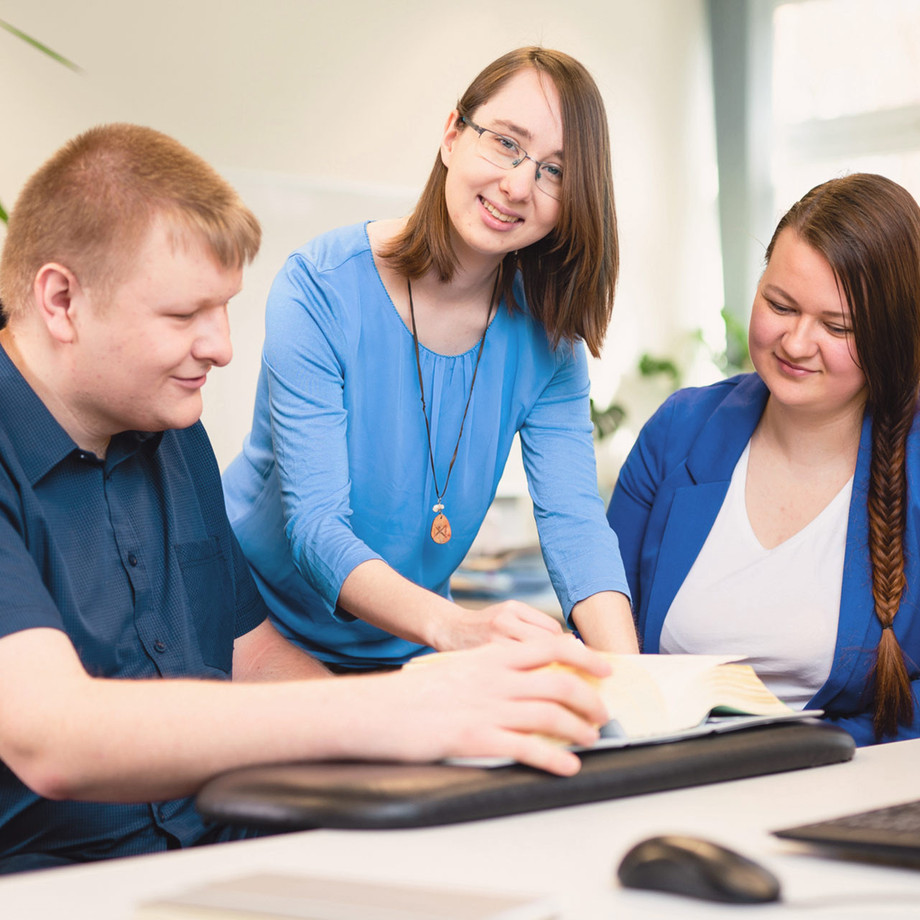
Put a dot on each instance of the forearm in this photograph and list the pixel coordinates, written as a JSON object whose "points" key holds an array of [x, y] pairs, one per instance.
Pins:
{"points": [[163, 739], [137, 741], [265, 655], [605, 622], [376, 593], [163, 722], [379, 595], [73, 736]]}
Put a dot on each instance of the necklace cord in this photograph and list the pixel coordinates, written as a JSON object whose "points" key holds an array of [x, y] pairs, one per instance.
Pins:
{"points": [[418, 365]]}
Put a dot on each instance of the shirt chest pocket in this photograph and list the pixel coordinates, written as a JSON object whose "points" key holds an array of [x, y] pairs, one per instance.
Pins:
{"points": [[209, 596]]}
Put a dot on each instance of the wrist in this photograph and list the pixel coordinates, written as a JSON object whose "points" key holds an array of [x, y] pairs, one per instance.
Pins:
{"points": [[441, 624]]}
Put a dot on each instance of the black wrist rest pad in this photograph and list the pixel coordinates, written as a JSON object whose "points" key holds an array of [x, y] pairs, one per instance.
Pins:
{"points": [[360, 795]]}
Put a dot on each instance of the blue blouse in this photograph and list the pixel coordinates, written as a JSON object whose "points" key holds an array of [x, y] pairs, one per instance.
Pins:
{"points": [[336, 471]]}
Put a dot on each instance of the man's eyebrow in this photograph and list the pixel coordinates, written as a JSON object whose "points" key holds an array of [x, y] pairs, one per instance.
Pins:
{"points": [[513, 128], [204, 303]]}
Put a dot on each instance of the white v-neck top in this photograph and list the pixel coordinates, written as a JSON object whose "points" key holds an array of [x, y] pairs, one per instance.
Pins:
{"points": [[777, 607]]}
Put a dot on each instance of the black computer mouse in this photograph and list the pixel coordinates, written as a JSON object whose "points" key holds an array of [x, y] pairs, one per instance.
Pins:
{"points": [[697, 868]]}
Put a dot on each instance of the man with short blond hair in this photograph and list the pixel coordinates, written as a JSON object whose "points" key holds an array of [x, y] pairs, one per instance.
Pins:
{"points": [[136, 657]]}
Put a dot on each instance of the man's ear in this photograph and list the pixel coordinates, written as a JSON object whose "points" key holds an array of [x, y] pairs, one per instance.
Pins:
{"points": [[451, 133], [56, 289]]}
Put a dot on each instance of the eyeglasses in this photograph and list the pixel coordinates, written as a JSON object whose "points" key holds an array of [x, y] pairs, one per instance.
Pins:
{"points": [[505, 153]]}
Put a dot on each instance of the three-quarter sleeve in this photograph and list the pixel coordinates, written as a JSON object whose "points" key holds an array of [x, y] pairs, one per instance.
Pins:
{"points": [[581, 552], [304, 361]]}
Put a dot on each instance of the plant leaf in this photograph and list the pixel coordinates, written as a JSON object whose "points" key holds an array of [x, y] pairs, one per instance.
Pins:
{"points": [[3, 215], [35, 43]]}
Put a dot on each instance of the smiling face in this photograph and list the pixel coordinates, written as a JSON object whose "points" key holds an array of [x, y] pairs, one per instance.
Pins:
{"points": [[141, 356], [494, 211], [800, 337]]}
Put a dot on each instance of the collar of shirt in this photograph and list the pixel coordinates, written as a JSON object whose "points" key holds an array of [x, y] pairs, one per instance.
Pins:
{"points": [[39, 440]]}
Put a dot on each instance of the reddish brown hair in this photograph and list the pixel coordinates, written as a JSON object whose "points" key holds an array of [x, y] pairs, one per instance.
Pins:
{"points": [[570, 275], [91, 204], [868, 229]]}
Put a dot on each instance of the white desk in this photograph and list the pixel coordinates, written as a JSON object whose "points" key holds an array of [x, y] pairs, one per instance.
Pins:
{"points": [[570, 852]]}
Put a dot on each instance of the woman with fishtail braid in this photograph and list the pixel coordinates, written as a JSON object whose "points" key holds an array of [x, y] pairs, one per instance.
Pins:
{"points": [[776, 515]]}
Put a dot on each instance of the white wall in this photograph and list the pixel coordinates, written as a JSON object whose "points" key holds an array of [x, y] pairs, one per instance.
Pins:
{"points": [[324, 113]]}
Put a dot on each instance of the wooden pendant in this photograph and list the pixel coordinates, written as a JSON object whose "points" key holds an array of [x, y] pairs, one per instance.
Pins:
{"points": [[440, 529]]}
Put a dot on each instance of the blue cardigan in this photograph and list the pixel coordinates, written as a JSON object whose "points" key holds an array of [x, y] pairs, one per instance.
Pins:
{"points": [[670, 491]]}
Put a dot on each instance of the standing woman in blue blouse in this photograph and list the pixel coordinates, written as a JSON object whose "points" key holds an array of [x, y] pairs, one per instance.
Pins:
{"points": [[777, 515], [402, 356]]}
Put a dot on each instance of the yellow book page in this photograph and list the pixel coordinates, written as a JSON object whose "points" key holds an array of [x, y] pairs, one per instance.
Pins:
{"points": [[648, 695], [736, 687]]}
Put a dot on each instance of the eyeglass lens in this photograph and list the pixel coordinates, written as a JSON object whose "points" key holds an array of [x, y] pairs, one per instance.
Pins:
{"points": [[503, 152]]}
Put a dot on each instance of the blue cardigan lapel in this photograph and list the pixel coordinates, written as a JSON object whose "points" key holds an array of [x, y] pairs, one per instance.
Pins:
{"points": [[858, 628], [690, 518], [699, 490]]}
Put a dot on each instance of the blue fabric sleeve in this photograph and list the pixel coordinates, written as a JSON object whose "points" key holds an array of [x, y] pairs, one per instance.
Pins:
{"points": [[250, 610], [556, 440], [635, 491], [860, 724], [190, 462], [304, 361], [27, 604]]}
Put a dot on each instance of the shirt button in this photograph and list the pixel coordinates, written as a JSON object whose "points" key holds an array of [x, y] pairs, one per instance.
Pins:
{"points": [[132, 559], [160, 645]]}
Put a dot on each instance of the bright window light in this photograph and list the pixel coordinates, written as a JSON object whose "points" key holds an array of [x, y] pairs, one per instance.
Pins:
{"points": [[833, 58], [845, 93]]}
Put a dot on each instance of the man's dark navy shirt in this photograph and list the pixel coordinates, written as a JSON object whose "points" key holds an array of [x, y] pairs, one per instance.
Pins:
{"points": [[131, 556]]}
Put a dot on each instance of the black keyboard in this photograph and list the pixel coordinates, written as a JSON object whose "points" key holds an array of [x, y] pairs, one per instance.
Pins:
{"points": [[901, 819], [892, 831]]}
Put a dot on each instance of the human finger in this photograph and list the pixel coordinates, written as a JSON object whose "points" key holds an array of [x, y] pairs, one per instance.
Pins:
{"points": [[573, 652], [567, 688], [542, 753], [514, 620], [565, 649], [530, 615], [511, 627]]}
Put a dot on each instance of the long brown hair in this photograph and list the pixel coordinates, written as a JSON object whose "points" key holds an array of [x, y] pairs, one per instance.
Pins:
{"points": [[868, 229], [570, 275]]}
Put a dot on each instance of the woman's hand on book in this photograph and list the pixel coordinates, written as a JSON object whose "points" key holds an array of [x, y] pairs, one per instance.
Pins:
{"points": [[464, 628]]}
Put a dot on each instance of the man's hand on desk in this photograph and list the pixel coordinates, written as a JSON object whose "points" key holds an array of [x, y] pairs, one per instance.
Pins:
{"points": [[498, 700]]}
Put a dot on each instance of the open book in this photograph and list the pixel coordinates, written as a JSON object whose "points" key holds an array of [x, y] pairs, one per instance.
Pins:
{"points": [[656, 698], [664, 697]]}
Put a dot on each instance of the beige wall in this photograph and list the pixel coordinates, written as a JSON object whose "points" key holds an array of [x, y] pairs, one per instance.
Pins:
{"points": [[324, 113]]}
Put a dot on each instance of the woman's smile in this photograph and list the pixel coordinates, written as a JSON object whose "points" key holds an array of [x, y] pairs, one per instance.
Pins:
{"points": [[503, 217], [794, 370]]}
